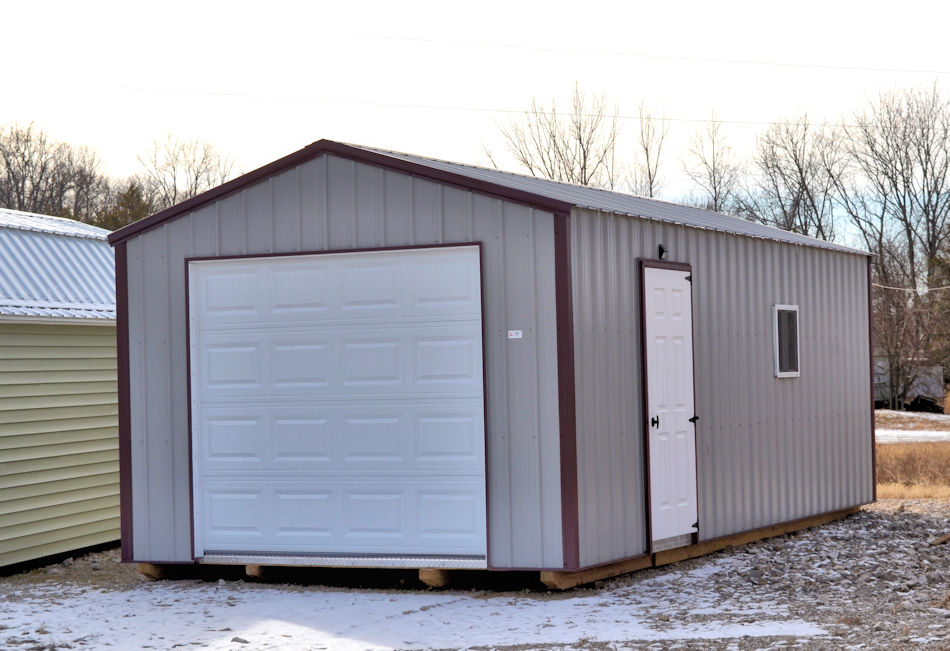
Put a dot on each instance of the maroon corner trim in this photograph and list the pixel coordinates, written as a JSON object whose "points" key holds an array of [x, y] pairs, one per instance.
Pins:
{"points": [[567, 408], [124, 397], [389, 161], [871, 361], [645, 264]]}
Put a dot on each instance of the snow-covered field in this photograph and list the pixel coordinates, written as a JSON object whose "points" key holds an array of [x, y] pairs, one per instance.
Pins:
{"points": [[250, 616], [911, 427], [909, 435]]}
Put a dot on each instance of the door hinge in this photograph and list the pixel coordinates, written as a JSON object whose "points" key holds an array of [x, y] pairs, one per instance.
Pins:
{"points": [[689, 278], [694, 419], [655, 421]]}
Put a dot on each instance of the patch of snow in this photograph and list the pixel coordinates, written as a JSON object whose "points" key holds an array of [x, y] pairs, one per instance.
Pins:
{"points": [[910, 435], [917, 415], [168, 614]]}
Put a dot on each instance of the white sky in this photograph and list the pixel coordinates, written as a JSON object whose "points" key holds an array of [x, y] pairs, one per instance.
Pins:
{"points": [[260, 80]]}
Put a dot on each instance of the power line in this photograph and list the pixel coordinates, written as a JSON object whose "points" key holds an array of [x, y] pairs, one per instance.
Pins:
{"points": [[909, 289], [469, 109], [641, 55]]}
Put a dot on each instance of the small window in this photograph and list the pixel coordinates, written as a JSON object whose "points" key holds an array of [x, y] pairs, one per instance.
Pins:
{"points": [[786, 341]]}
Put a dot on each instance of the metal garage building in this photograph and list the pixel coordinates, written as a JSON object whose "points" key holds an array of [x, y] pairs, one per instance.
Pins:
{"points": [[59, 470], [364, 358]]}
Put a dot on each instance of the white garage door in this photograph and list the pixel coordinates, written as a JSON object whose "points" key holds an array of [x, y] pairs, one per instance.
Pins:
{"points": [[337, 404]]}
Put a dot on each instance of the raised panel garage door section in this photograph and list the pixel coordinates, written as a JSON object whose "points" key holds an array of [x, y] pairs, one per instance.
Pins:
{"points": [[337, 404]]}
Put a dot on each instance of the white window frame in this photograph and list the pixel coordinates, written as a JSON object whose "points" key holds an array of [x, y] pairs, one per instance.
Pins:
{"points": [[786, 308]]}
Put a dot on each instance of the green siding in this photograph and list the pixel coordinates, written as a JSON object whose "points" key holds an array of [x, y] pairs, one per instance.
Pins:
{"points": [[59, 468]]}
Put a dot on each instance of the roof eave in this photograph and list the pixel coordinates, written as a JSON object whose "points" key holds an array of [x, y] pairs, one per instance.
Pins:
{"points": [[58, 320]]}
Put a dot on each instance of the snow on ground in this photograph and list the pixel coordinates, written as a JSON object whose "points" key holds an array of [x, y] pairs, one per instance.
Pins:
{"points": [[909, 435], [870, 581], [676, 605], [914, 415], [911, 426]]}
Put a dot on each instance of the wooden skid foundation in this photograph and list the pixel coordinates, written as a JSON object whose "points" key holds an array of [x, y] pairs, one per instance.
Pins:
{"points": [[434, 578], [564, 579], [152, 570]]}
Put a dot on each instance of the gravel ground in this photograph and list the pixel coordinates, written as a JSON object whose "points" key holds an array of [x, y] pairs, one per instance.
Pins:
{"points": [[869, 581]]}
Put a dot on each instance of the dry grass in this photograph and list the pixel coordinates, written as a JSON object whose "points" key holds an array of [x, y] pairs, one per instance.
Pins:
{"points": [[913, 492], [913, 470]]}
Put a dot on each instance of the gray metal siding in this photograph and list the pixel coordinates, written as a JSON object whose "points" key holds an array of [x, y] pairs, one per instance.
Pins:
{"points": [[331, 203], [769, 450]]}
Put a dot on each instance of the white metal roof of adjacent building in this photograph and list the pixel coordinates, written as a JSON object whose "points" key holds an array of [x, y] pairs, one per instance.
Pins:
{"points": [[54, 268]]}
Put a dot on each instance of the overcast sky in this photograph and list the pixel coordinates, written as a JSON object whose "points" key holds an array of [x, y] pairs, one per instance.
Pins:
{"points": [[260, 80]]}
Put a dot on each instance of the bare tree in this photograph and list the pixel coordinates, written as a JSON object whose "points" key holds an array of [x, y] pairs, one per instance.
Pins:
{"points": [[894, 186], [578, 146], [176, 170], [646, 177], [38, 174], [793, 187], [713, 167]]}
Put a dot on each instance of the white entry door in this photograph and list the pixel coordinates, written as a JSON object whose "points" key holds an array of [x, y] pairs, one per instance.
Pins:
{"points": [[667, 305], [337, 404]]}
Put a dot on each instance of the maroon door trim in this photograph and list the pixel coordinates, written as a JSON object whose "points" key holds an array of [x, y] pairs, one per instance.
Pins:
{"points": [[674, 266]]}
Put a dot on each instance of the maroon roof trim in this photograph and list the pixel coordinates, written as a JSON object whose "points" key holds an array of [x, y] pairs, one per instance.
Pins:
{"points": [[345, 151]]}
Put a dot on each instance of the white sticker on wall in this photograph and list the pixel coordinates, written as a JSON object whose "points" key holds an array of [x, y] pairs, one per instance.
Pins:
{"points": [[514, 334]]}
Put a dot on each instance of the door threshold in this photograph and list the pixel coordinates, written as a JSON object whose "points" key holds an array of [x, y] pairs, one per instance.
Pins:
{"points": [[672, 542]]}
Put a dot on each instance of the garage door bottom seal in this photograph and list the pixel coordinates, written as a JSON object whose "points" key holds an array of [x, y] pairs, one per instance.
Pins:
{"points": [[348, 560]]}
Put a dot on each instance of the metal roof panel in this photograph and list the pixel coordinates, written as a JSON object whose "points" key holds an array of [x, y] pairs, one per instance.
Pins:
{"points": [[618, 202], [54, 269]]}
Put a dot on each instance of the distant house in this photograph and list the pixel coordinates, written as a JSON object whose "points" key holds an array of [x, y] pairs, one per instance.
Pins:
{"points": [[59, 484], [924, 384]]}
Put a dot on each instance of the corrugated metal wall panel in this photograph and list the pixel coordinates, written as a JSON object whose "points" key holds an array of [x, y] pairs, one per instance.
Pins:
{"points": [[59, 483], [326, 204], [769, 450]]}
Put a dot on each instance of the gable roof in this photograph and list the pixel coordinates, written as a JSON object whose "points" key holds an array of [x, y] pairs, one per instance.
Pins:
{"points": [[54, 268], [553, 196]]}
